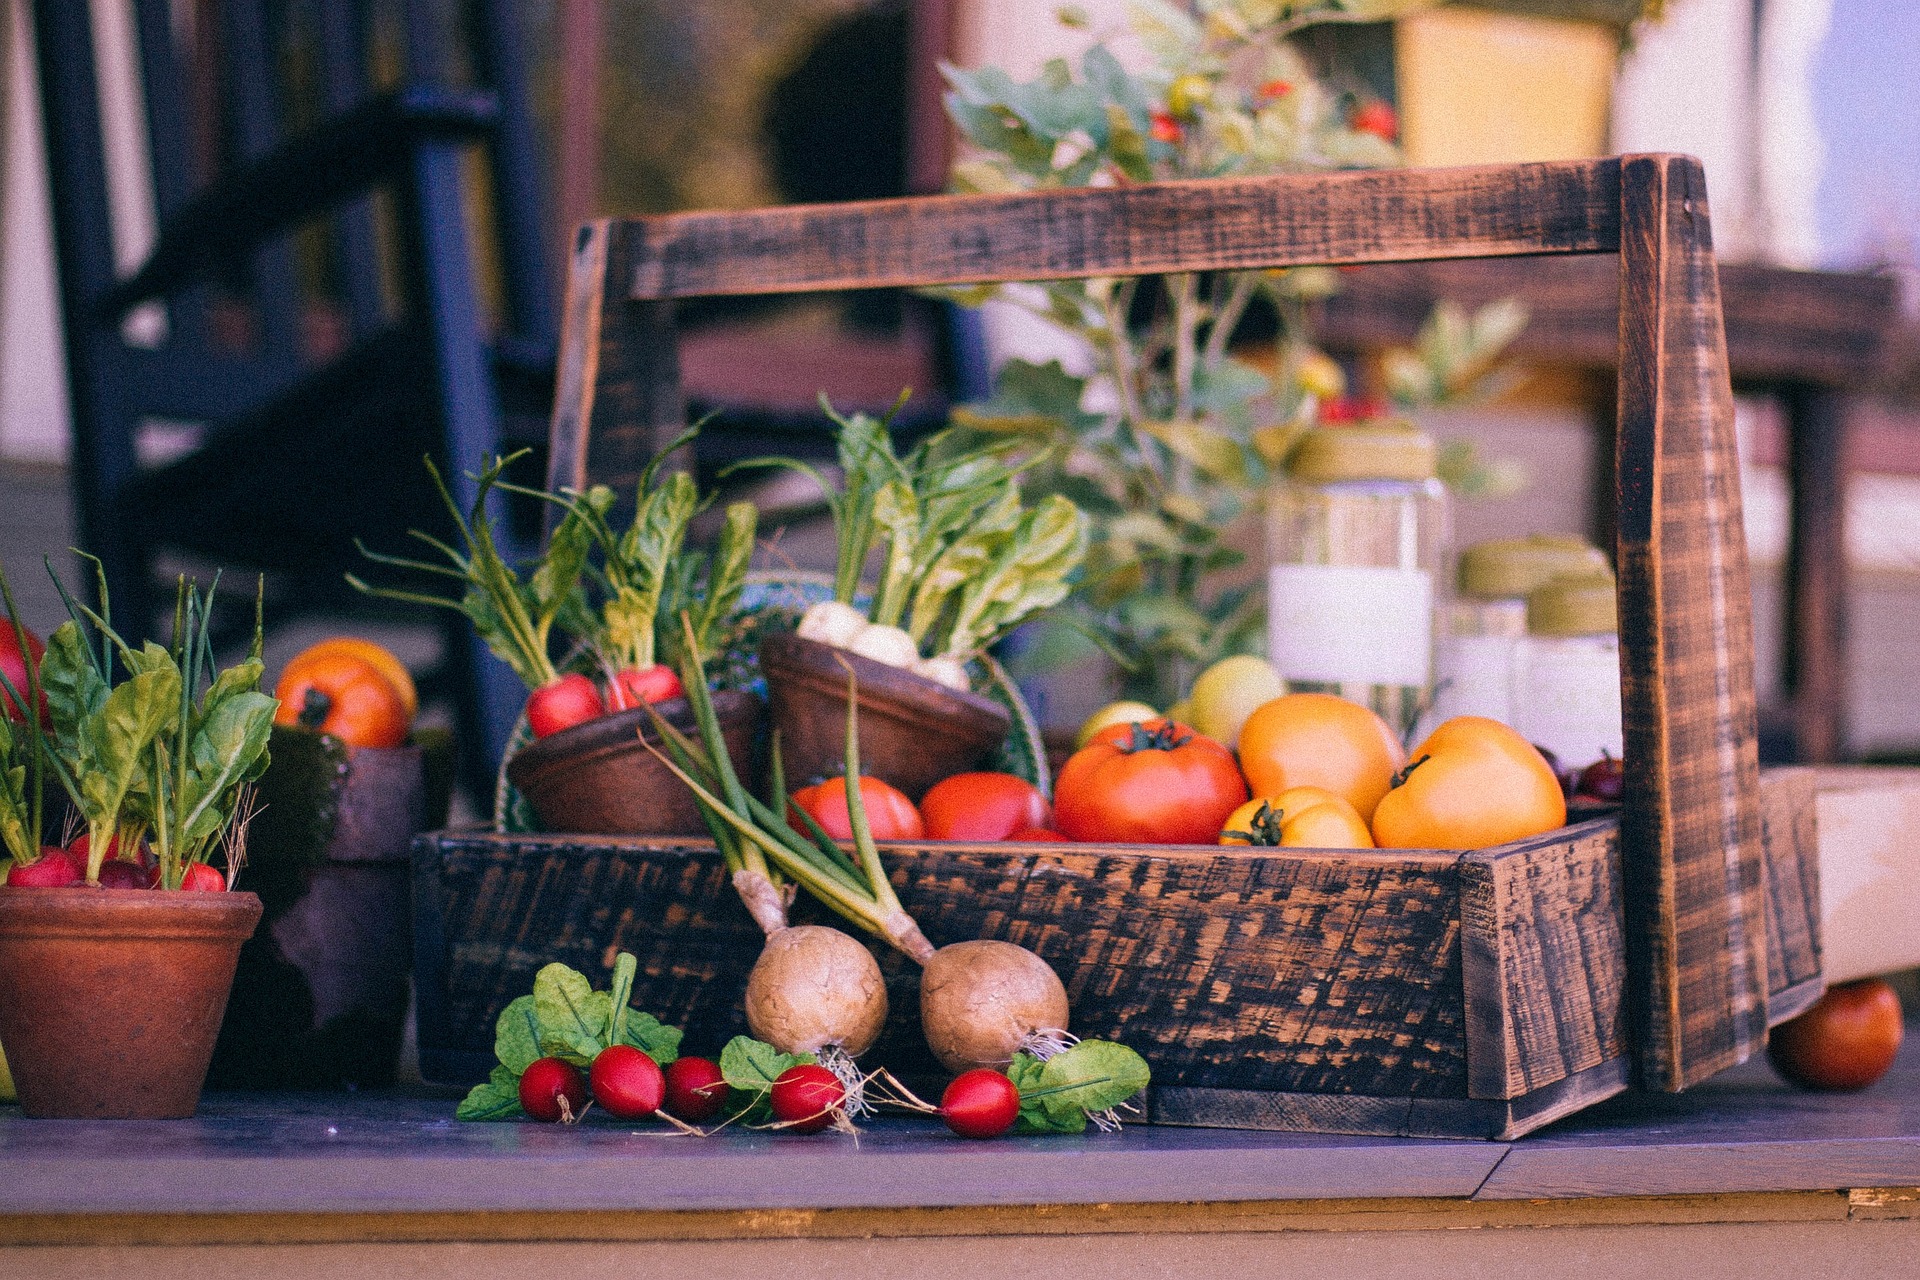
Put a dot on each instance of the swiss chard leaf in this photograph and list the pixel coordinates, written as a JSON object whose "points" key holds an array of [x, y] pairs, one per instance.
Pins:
{"points": [[497, 1099]]}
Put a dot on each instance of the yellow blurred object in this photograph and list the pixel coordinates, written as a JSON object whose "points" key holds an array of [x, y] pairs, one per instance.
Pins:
{"points": [[1181, 712], [1321, 375], [1489, 88], [1112, 713], [1228, 692]]}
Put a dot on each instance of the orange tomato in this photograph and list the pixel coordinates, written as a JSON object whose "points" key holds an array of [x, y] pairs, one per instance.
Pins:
{"points": [[343, 695], [1297, 818], [1318, 740], [1474, 782], [379, 656]]}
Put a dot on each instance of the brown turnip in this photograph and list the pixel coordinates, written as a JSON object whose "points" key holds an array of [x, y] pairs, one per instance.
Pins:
{"points": [[981, 1002], [815, 987]]}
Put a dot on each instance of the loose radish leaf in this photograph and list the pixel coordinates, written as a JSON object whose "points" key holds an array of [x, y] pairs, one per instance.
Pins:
{"points": [[752, 1066], [497, 1099], [573, 1016], [1027, 1072], [1092, 1076], [516, 1036], [644, 1032]]}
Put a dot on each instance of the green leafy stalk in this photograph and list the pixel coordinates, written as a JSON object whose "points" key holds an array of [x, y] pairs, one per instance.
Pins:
{"points": [[23, 748]]}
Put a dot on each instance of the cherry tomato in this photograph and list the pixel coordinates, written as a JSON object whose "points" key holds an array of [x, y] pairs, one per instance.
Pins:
{"points": [[1157, 782], [1847, 1040], [981, 1103], [1318, 740], [1377, 118], [564, 703], [1474, 782], [15, 668], [626, 1082], [695, 1089], [890, 815], [552, 1090], [639, 687], [55, 868], [807, 1097], [1297, 818], [982, 806], [378, 656], [346, 696]]}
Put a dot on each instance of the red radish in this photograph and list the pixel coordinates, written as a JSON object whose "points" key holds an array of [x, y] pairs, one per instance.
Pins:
{"points": [[552, 1090], [695, 1089], [117, 873], [980, 1104], [566, 702], [16, 671], [53, 869], [626, 1082], [201, 878], [807, 1097], [642, 686]]}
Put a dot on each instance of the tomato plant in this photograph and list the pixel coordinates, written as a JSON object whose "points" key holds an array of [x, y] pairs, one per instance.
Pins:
{"points": [[890, 815], [1318, 740], [982, 806], [344, 695], [1847, 1040], [562, 704], [1156, 782], [1474, 782]]}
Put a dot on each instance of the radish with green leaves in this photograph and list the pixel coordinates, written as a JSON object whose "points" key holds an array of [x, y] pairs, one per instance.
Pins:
{"points": [[696, 1089], [553, 1091], [626, 1082], [808, 1098]]}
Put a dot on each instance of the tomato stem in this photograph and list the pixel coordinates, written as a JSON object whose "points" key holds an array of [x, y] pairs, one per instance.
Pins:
{"points": [[1400, 778], [1164, 736], [314, 709], [1263, 828]]}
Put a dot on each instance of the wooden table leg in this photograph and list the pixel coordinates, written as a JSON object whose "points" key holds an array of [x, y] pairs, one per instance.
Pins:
{"points": [[1815, 650]]}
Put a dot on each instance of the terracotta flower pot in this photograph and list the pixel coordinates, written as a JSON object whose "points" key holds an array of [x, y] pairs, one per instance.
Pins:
{"points": [[114, 996], [596, 778], [913, 732]]}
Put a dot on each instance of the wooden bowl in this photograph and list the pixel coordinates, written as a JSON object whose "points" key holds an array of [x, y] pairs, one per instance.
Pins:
{"points": [[913, 731], [596, 778]]}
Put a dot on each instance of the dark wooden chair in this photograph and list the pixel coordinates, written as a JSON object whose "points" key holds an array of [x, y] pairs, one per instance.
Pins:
{"points": [[1696, 911], [322, 322]]}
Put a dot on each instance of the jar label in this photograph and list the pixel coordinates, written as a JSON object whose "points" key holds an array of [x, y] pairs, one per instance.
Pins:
{"points": [[1349, 623]]}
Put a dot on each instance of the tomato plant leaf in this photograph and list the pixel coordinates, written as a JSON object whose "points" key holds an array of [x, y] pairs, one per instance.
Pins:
{"points": [[497, 1099], [1094, 1075]]}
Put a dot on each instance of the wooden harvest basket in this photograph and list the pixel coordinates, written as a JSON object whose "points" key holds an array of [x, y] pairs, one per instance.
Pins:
{"points": [[1407, 992], [1509, 1014]]}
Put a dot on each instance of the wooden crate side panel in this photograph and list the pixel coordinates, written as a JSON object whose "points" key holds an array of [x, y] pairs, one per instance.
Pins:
{"points": [[1789, 829], [1310, 974], [1690, 827], [1543, 955], [1387, 215]]}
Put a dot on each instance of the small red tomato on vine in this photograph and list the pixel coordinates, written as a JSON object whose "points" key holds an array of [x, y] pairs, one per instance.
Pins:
{"points": [[1155, 782]]}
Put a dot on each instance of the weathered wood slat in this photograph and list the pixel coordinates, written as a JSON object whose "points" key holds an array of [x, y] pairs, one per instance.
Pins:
{"points": [[1690, 828], [1789, 830], [1388, 215], [1542, 947]]}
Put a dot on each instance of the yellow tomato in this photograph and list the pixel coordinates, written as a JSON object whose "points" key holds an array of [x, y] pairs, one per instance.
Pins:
{"points": [[1112, 713], [1228, 692], [1318, 740], [1297, 818], [378, 656], [1473, 783]]}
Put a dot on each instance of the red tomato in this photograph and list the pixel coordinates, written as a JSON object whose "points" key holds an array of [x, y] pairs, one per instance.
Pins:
{"points": [[345, 695], [16, 670], [890, 815], [1847, 1040], [637, 687], [982, 806], [1165, 128], [1037, 835], [566, 702], [1377, 118], [1156, 782]]}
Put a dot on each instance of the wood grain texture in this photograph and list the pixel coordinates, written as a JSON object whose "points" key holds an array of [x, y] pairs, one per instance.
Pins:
{"points": [[1387, 215], [1301, 972], [1543, 958], [1789, 831]]}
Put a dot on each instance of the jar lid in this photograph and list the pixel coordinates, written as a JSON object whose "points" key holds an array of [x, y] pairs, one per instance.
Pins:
{"points": [[1508, 567], [1367, 451], [1581, 604]]}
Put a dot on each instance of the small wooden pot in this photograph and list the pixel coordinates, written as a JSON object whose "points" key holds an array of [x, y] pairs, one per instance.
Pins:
{"points": [[115, 996], [913, 732], [596, 778]]}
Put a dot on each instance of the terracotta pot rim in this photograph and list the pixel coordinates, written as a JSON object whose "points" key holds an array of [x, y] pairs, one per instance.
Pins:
{"points": [[615, 734], [88, 912], [889, 691]]}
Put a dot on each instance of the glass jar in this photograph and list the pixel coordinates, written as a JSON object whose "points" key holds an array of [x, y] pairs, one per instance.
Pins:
{"points": [[1567, 684], [1357, 536], [1476, 654]]}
